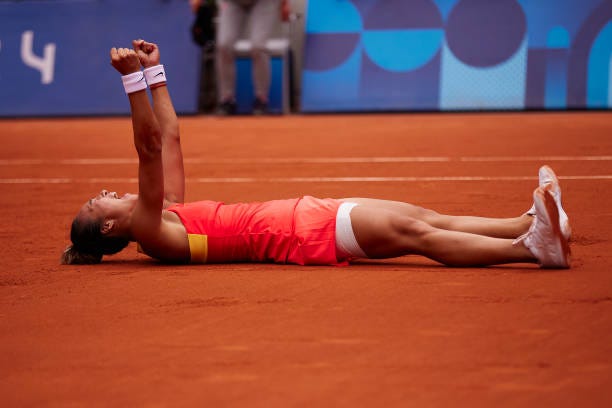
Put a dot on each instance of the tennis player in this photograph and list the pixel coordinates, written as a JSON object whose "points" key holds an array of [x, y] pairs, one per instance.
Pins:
{"points": [[305, 230]]}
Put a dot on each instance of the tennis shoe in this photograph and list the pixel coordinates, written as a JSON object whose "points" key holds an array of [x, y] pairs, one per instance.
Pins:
{"points": [[547, 176], [260, 107], [227, 108], [545, 239]]}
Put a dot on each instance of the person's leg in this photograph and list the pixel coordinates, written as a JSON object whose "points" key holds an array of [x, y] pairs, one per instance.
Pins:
{"points": [[383, 233], [264, 17], [492, 227], [229, 26]]}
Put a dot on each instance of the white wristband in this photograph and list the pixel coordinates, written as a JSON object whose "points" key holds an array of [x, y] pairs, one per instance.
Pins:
{"points": [[155, 75], [134, 82]]}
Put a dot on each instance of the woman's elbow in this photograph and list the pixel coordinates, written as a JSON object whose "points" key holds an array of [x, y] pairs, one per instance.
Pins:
{"points": [[171, 134], [150, 146]]}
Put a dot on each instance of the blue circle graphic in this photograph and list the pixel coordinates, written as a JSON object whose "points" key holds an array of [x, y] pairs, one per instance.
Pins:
{"points": [[485, 33]]}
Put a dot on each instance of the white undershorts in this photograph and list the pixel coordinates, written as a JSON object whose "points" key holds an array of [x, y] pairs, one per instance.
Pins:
{"points": [[346, 243]]}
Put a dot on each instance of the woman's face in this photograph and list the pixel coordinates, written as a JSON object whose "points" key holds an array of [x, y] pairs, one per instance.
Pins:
{"points": [[108, 205]]}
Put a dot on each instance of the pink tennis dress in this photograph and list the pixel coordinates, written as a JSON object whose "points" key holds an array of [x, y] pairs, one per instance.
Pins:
{"points": [[299, 231]]}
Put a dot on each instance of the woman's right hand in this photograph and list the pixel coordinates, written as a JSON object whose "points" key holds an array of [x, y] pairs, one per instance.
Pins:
{"points": [[124, 60], [147, 52]]}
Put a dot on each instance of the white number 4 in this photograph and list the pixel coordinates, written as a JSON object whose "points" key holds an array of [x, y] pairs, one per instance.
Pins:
{"points": [[45, 64]]}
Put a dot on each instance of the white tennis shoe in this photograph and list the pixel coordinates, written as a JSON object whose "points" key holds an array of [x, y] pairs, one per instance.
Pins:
{"points": [[545, 240], [547, 176]]}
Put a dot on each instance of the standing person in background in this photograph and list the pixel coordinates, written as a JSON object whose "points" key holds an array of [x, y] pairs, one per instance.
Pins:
{"points": [[262, 15]]}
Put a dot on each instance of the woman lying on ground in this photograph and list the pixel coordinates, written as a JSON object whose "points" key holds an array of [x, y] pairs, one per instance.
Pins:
{"points": [[305, 231]]}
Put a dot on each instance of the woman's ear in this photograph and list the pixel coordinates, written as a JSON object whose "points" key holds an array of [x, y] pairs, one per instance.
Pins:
{"points": [[107, 226]]}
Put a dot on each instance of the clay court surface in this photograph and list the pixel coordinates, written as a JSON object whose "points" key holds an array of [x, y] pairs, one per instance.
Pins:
{"points": [[403, 332]]}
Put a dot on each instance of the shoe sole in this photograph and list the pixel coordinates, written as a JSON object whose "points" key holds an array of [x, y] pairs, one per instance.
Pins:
{"points": [[546, 199], [548, 172]]}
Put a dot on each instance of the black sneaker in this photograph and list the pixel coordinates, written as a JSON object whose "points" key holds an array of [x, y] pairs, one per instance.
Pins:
{"points": [[227, 108], [260, 107]]}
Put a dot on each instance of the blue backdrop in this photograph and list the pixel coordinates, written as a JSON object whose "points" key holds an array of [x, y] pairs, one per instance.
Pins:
{"points": [[54, 54], [457, 55]]}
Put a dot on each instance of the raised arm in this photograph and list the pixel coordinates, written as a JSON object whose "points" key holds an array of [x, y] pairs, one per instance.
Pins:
{"points": [[172, 156], [146, 217]]}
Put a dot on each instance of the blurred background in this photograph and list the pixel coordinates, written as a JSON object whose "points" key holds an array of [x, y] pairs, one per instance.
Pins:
{"points": [[327, 56]]}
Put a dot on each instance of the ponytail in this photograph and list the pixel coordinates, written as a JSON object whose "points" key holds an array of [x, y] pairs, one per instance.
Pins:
{"points": [[72, 256]]}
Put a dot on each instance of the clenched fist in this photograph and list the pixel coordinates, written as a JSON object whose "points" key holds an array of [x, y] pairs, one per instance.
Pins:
{"points": [[147, 52], [124, 60]]}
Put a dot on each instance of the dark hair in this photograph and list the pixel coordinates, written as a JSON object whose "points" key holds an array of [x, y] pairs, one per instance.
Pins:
{"points": [[89, 244]]}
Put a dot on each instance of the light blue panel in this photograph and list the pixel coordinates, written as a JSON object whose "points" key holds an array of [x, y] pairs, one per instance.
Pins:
{"points": [[552, 29], [555, 94], [598, 84], [332, 17], [558, 37], [336, 89], [499, 87], [555, 89], [402, 50], [610, 84]]}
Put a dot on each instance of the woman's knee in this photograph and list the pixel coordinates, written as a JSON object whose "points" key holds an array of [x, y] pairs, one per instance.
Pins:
{"points": [[408, 229], [388, 234], [225, 50], [259, 52], [431, 217]]}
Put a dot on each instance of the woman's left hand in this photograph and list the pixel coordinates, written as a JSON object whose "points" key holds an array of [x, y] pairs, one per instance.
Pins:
{"points": [[147, 52]]}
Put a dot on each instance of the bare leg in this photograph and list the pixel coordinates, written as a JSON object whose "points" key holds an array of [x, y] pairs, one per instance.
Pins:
{"points": [[383, 233], [491, 227]]}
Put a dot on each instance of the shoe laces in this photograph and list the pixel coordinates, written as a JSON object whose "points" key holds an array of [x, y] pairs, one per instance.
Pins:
{"points": [[526, 235]]}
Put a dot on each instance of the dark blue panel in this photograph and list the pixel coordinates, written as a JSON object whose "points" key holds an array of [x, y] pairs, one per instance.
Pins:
{"points": [[484, 33], [83, 82], [327, 51], [380, 89], [402, 15], [536, 78]]}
